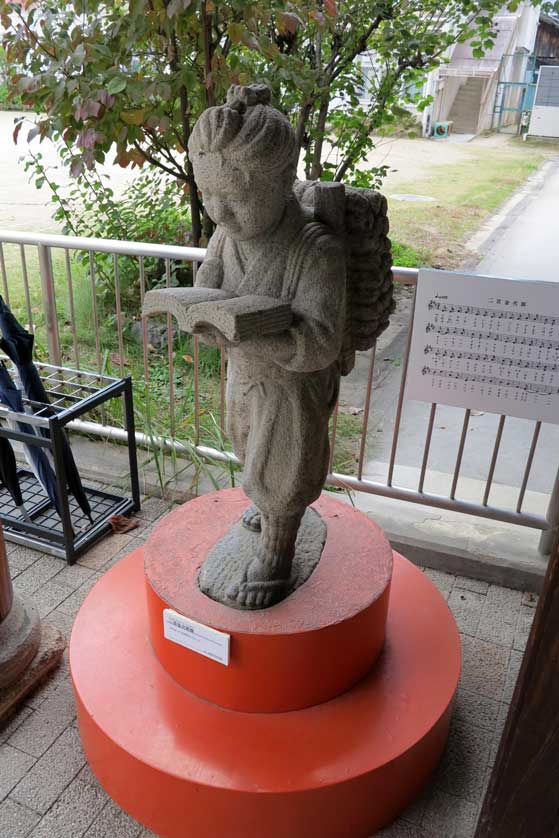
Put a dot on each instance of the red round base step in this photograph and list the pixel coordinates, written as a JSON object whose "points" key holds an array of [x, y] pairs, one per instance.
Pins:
{"points": [[311, 647], [187, 768]]}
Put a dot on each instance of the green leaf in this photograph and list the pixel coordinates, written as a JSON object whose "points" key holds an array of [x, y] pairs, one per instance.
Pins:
{"points": [[117, 85], [133, 117]]}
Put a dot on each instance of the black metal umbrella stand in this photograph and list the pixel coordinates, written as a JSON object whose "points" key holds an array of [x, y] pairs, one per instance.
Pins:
{"points": [[63, 528]]}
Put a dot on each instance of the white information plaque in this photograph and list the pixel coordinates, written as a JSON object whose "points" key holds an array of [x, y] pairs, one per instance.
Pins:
{"points": [[486, 343], [195, 636]]}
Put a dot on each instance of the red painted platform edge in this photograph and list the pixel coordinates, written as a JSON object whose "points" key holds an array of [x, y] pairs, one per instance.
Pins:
{"points": [[362, 807], [329, 595], [348, 804], [309, 648], [103, 618], [274, 673]]}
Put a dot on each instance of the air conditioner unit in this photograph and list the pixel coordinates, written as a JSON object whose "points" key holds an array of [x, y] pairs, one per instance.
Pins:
{"points": [[442, 129]]}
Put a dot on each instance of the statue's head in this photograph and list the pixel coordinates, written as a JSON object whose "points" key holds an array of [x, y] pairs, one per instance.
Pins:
{"points": [[244, 155]]}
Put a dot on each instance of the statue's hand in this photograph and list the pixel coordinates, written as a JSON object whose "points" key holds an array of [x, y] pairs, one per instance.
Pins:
{"points": [[212, 338]]}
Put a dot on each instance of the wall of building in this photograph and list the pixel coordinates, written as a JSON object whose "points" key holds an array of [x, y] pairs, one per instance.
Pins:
{"points": [[547, 40], [527, 27], [448, 88]]}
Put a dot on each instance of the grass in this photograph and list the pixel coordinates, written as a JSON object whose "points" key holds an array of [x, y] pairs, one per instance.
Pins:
{"points": [[405, 256], [465, 194]]}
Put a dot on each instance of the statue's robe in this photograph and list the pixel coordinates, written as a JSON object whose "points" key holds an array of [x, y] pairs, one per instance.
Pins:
{"points": [[281, 390]]}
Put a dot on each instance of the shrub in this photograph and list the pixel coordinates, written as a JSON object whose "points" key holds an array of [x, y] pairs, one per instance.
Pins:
{"points": [[9, 101], [150, 209]]}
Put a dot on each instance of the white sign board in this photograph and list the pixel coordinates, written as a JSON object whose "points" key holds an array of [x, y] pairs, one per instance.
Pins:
{"points": [[195, 636], [486, 343]]}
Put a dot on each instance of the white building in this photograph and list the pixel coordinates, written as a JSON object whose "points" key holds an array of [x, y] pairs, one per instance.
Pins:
{"points": [[478, 94]]}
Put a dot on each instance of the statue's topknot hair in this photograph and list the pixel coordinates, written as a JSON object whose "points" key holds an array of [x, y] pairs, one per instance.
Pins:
{"points": [[247, 128], [242, 97]]}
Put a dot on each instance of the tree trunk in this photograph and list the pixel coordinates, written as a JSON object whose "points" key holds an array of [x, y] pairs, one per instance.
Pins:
{"points": [[208, 53], [195, 203], [208, 225], [306, 110], [316, 168]]}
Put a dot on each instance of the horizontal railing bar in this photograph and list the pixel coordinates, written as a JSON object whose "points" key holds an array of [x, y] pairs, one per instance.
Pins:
{"points": [[406, 276], [538, 522], [494, 513], [145, 440], [121, 248]]}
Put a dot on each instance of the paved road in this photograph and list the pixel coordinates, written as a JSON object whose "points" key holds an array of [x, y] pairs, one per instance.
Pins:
{"points": [[22, 206], [527, 244]]}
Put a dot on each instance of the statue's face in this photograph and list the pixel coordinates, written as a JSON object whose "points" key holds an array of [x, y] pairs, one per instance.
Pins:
{"points": [[245, 204]]}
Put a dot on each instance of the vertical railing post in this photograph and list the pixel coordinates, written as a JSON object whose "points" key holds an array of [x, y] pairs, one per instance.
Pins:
{"points": [[49, 303], [548, 537]]}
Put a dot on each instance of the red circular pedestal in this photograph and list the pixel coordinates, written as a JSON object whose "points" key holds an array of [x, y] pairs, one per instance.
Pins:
{"points": [[305, 650], [190, 769]]}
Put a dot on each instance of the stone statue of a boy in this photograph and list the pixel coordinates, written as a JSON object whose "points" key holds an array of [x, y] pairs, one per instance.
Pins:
{"points": [[282, 388]]}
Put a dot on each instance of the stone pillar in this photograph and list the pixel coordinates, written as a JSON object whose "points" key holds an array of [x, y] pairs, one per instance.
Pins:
{"points": [[20, 628], [6, 588], [27, 653]]}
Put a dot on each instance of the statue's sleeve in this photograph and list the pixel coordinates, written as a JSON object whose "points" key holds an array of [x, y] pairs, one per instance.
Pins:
{"points": [[210, 272], [315, 339]]}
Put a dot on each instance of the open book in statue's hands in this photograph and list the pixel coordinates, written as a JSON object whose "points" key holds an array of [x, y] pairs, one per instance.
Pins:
{"points": [[217, 312]]}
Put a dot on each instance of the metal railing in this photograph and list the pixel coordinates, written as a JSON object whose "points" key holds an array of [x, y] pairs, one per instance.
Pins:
{"points": [[470, 67], [45, 244]]}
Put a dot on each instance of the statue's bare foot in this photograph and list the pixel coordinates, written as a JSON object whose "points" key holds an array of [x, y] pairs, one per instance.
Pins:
{"points": [[259, 588], [252, 519]]}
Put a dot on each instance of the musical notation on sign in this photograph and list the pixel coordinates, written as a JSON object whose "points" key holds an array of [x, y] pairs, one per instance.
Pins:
{"points": [[493, 336], [500, 355], [500, 315]]}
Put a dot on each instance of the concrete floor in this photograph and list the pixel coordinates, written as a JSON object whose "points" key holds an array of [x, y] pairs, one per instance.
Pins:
{"points": [[47, 790]]}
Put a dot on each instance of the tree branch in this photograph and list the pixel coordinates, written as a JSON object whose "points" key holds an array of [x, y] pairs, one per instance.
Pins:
{"points": [[155, 162], [368, 125], [345, 61]]}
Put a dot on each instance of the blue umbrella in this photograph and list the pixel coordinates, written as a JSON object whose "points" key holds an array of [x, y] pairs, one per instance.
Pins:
{"points": [[36, 457], [17, 343], [8, 475]]}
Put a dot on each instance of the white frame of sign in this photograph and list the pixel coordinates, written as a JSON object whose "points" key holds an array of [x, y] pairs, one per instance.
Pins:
{"points": [[486, 343]]}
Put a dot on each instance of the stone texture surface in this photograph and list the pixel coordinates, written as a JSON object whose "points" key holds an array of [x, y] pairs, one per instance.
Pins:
{"points": [[47, 658], [20, 636], [16, 821], [234, 552], [39, 744], [308, 267]]}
